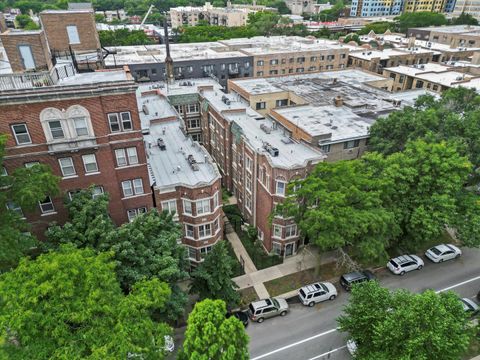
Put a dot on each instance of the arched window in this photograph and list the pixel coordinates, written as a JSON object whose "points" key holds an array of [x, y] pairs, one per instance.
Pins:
{"points": [[70, 124]]}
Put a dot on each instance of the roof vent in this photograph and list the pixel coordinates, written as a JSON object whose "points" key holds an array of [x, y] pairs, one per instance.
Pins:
{"points": [[161, 144], [145, 109], [265, 128], [272, 150], [193, 163]]}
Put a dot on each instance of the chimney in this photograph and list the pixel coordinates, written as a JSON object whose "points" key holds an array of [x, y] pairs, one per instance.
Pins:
{"points": [[168, 58], [338, 101]]}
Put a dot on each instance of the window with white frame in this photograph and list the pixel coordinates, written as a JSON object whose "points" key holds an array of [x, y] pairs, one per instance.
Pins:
{"points": [[31, 164], [192, 252], [193, 123], [248, 164], [187, 207], [205, 250], [126, 156], [72, 33], [351, 144], [56, 129], [97, 191], [22, 136], [192, 108], [290, 231], [277, 231], [67, 167], [15, 208], [248, 202], [120, 121], [90, 163], [276, 248], [216, 201], [248, 182], [81, 127], [203, 206], [189, 231], [46, 206], [170, 206], [280, 187], [138, 186], [204, 230], [216, 225], [132, 187], [72, 193], [133, 213]]}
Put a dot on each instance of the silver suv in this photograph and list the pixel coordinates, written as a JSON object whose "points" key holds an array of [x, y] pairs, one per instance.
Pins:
{"points": [[267, 308], [405, 263]]}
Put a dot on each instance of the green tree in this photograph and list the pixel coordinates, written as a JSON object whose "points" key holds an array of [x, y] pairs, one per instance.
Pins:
{"points": [[212, 279], [99, 18], [123, 37], [22, 188], [26, 22], [340, 205], [455, 117], [423, 183], [210, 336], [69, 305], [378, 27], [401, 325], [352, 37], [465, 19], [421, 18]]}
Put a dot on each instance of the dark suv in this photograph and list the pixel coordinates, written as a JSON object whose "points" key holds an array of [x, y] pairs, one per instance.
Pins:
{"points": [[356, 277]]}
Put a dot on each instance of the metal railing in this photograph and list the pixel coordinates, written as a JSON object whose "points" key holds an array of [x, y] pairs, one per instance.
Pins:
{"points": [[36, 79]]}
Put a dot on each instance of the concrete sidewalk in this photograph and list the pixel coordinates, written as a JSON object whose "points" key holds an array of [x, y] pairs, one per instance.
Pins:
{"points": [[305, 259], [239, 250]]}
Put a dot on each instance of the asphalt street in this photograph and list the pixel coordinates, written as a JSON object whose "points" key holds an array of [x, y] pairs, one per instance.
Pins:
{"points": [[310, 333]]}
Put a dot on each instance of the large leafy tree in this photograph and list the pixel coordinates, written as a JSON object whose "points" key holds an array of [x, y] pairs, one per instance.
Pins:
{"points": [[423, 185], [340, 205], [69, 305], [212, 279], [24, 188], [401, 325], [211, 336], [455, 117], [419, 18], [144, 248]]}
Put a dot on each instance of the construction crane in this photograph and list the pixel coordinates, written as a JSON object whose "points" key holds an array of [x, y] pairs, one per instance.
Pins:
{"points": [[146, 15]]}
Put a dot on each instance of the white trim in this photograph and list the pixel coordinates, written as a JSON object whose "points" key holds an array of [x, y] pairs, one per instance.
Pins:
{"points": [[15, 134], [135, 196]]}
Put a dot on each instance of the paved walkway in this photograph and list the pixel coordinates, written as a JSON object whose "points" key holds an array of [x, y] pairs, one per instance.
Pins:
{"points": [[305, 259], [239, 249]]}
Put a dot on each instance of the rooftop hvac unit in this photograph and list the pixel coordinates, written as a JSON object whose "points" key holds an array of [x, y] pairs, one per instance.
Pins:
{"points": [[266, 129], [161, 144], [272, 150], [193, 163]]}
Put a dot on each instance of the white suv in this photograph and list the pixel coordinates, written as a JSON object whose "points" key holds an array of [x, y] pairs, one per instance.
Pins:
{"points": [[405, 263], [314, 293]]}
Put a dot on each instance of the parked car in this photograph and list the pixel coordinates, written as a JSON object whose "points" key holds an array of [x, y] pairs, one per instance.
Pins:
{"points": [[356, 277], [351, 347], [267, 308], [405, 263], [443, 252], [240, 315], [470, 306], [315, 293]]}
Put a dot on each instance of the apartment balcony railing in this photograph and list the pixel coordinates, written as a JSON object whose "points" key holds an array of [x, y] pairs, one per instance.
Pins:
{"points": [[36, 79]]}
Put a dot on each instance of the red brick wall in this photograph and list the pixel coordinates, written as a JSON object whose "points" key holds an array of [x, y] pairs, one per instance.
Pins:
{"points": [[109, 177]]}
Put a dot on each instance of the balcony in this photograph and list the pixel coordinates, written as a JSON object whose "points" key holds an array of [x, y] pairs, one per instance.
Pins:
{"points": [[37, 79]]}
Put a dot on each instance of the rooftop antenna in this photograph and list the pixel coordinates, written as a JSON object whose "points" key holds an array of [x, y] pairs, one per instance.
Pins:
{"points": [[168, 58]]}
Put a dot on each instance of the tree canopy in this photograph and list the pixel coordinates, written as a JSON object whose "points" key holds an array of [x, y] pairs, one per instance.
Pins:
{"points": [[213, 277], [69, 305], [465, 19], [420, 18], [22, 189], [210, 335], [401, 325], [147, 247], [123, 37]]}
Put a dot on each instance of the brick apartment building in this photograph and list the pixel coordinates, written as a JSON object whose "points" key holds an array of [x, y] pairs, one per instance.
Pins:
{"points": [[88, 133], [183, 176]]}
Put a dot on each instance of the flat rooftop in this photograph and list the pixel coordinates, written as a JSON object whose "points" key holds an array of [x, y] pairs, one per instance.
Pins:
{"points": [[451, 29], [386, 53], [171, 167], [430, 45], [418, 69]]}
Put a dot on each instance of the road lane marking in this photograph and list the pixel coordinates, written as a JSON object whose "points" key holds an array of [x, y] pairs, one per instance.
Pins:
{"points": [[328, 352], [459, 284], [294, 344], [336, 329]]}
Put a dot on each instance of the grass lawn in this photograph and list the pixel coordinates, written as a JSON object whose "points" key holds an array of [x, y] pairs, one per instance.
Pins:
{"points": [[237, 269], [297, 280], [247, 295]]}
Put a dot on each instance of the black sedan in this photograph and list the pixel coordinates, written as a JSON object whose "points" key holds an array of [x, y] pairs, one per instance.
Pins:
{"points": [[240, 315]]}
